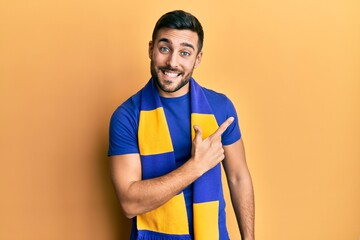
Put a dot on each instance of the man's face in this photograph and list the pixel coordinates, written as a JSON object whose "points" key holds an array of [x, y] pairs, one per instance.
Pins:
{"points": [[174, 55]]}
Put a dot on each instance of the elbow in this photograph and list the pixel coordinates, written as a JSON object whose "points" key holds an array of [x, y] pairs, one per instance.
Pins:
{"points": [[129, 215], [234, 181], [128, 210], [240, 182]]}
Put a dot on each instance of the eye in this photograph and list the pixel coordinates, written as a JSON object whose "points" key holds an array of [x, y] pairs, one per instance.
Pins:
{"points": [[185, 54], [164, 49]]}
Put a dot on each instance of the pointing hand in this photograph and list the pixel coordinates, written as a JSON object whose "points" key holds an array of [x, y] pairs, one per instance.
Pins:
{"points": [[209, 152]]}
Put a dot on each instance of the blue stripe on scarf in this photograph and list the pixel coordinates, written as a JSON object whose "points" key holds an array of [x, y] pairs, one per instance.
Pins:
{"points": [[162, 163], [208, 185], [199, 103]]}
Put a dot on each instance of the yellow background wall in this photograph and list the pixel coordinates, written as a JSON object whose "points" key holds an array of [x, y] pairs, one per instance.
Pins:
{"points": [[292, 69]]}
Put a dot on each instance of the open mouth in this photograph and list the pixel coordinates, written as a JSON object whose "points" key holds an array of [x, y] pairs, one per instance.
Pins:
{"points": [[171, 74]]}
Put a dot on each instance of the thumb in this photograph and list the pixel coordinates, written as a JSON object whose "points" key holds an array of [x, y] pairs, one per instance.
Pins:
{"points": [[198, 134]]}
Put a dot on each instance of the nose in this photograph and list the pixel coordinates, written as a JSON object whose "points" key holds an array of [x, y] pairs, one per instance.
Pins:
{"points": [[172, 60]]}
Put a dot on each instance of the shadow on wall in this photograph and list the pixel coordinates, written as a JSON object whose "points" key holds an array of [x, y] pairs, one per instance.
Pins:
{"points": [[120, 226]]}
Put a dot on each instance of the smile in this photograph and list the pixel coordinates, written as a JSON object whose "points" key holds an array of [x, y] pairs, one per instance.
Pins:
{"points": [[171, 74]]}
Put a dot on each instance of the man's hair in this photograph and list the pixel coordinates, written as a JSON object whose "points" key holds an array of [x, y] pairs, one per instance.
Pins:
{"points": [[180, 20]]}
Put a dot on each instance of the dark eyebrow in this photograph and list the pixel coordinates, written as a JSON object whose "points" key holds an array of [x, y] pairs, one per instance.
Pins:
{"points": [[185, 44], [188, 45], [164, 40]]}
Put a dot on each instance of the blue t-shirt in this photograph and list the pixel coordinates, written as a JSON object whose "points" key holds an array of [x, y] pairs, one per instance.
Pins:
{"points": [[124, 128]]}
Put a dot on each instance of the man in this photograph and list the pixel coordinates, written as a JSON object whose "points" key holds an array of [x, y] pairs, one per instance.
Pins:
{"points": [[166, 146]]}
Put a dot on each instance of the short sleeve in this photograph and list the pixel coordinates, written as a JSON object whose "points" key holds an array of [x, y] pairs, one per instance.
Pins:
{"points": [[223, 108], [232, 133], [123, 130]]}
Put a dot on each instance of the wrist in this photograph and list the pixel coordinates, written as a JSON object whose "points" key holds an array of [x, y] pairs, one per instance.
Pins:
{"points": [[195, 167]]}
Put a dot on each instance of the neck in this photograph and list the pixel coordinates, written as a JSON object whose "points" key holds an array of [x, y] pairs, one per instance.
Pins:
{"points": [[178, 93]]}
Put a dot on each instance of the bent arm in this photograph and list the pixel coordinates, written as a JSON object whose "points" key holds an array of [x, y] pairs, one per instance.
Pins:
{"points": [[138, 196], [241, 188]]}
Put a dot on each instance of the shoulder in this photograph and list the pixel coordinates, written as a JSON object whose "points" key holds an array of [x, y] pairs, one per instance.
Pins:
{"points": [[220, 104], [223, 108], [216, 99], [130, 107], [124, 126], [126, 116]]}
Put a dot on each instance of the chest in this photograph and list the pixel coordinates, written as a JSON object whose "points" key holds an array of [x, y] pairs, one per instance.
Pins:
{"points": [[177, 112]]}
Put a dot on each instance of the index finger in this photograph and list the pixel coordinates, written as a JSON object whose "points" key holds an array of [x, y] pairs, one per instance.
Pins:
{"points": [[222, 128]]}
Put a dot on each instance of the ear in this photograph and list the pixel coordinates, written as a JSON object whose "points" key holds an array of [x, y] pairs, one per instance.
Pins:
{"points": [[151, 48], [198, 59]]}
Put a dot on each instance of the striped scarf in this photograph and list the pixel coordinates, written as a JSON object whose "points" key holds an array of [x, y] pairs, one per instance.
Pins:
{"points": [[157, 158]]}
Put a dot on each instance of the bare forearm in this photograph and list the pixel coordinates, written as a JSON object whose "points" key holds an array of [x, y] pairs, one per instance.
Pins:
{"points": [[146, 195], [242, 197]]}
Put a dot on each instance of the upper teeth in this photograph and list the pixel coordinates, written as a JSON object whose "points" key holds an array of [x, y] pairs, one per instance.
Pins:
{"points": [[170, 74]]}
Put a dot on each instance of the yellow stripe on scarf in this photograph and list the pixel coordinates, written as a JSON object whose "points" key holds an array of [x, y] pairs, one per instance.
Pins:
{"points": [[170, 218], [154, 136], [207, 123], [207, 227]]}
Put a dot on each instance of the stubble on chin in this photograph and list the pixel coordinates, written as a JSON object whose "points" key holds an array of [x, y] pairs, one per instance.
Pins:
{"points": [[164, 87]]}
